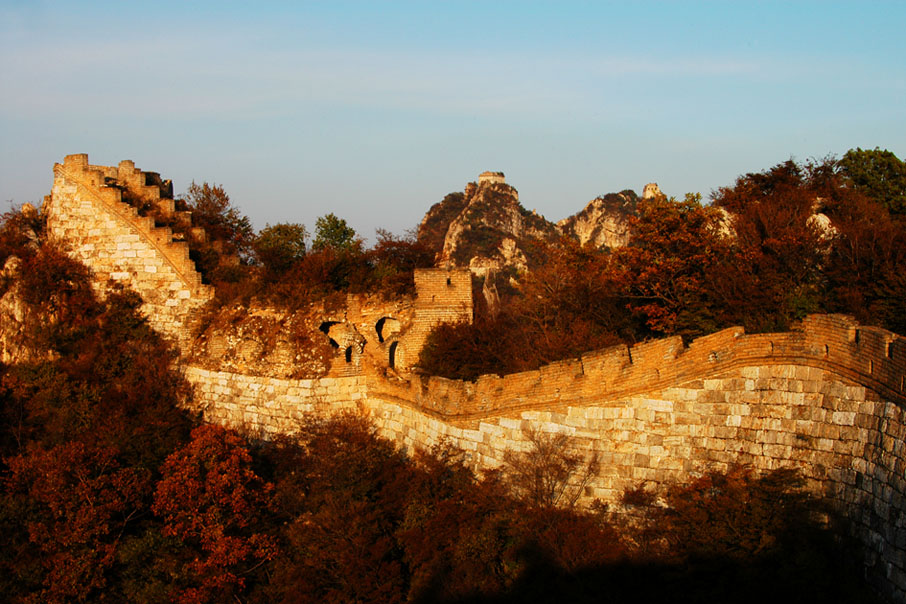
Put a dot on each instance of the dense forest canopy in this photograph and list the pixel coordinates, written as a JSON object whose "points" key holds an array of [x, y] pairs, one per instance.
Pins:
{"points": [[112, 492]]}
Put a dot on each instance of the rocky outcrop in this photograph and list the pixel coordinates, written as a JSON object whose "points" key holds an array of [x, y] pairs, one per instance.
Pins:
{"points": [[604, 222], [13, 315], [485, 228]]}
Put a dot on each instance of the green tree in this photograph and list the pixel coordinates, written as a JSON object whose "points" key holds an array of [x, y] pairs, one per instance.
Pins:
{"points": [[333, 232], [879, 174], [280, 246]]}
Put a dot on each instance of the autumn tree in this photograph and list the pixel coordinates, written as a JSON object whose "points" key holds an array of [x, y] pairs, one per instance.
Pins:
{"points": [[573, 302], [774, 274], [211, 501], [879, 174], [459, 535], [227, 230], [863, 269], [73, 503], [19, 231], [86, 424], [667, 268], [340, 489], [393, 261], [549, 472]]}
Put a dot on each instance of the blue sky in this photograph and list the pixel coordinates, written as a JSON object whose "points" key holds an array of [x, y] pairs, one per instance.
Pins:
{"points": [[374, 111]]}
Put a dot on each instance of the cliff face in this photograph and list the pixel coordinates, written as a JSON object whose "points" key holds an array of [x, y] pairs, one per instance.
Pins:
{"points": [[604, 221], [13, 316], [485, 228]]}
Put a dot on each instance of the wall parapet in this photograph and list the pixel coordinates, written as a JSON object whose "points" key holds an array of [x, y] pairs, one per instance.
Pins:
{"points": [[869, 356], [91, 182]]}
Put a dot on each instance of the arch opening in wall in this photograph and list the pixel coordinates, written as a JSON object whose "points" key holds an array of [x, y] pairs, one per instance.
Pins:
{"points": [[826, 351], [348, 354], [386, 327], [857, 337], [325, 327], [889, 350], [391, 355]]}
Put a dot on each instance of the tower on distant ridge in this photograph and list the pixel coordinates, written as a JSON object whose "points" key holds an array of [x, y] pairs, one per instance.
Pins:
{"points": [[651, 190], [491, 178]]}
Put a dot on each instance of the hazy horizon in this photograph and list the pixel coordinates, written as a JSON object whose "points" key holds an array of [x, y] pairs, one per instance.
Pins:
{"points": [[375, 112]]}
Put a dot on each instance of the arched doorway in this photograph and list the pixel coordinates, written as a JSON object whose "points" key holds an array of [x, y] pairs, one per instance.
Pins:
{"points": [[392, 355]]}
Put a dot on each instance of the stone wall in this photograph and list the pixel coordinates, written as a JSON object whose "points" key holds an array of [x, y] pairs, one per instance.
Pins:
{"points": [[827, 399], [87, 213], [442, 296]]}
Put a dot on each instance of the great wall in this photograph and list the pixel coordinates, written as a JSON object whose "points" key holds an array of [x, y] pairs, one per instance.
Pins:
{"points": [[827, 398]]}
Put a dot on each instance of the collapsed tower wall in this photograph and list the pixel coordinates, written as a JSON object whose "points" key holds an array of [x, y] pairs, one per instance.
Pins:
{"points": [[87, 213]]}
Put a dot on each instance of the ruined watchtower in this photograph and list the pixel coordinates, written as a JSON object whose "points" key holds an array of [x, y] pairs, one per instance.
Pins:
{"points": [[491, 178]]}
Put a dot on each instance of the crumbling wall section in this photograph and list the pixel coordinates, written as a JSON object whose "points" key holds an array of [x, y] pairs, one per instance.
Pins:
{"points": [[86, 212]]}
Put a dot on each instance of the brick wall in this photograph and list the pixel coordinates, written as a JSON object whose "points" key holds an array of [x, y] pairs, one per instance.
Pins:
{"points": [[86, 212], [442, 296], [826, 399]]}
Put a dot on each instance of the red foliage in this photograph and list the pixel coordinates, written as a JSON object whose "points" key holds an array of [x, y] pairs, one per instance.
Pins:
{"points": [[737, 514], [573, 540], [774, 275], [211, 500], [865, 267], [394, 260], [76, 502], [344, 493], [669, 263]]}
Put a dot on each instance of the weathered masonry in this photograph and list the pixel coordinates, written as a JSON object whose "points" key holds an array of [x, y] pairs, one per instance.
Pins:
{"points": [[87, 213], [827, 398]]}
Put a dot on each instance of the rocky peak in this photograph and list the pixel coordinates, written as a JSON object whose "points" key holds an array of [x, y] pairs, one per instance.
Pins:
{"points": [[604, 221], [484, 228]]}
